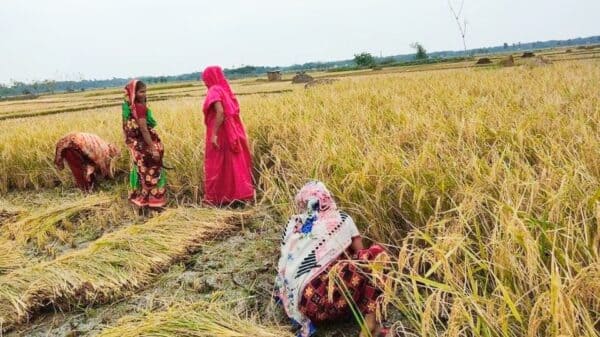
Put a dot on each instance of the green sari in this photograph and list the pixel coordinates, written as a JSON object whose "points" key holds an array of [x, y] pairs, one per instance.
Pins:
{"points": [[135, 143]]}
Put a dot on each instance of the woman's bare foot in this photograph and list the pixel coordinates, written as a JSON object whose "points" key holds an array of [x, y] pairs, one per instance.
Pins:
{"points": [[139, 211], [375, 329], [370, 325]]}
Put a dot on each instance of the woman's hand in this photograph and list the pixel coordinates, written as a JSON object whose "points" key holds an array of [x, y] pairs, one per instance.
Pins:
{"points": [[155, 155], [220, 118], [357, 244], [155, 152]]}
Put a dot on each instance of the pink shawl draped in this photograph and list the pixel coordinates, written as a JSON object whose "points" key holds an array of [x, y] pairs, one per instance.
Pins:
{"points": [[220, 91], [228, 167]]}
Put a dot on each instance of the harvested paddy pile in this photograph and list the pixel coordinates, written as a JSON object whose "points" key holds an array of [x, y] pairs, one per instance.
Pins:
{"points": [[41, 232], [484, 60], [7, 215], [11, 256], [302, 77], [528, 54], [201, 319], [40, 227], [112, 266]]}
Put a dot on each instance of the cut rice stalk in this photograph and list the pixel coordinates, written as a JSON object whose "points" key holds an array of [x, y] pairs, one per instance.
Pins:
{"points": [[113, 266]]}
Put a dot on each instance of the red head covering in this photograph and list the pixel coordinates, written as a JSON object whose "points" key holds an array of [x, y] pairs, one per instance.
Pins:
{"points": [[219, 90], [138, 110]]}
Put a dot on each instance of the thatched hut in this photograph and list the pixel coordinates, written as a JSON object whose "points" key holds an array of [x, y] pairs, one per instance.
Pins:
{"points": [[274, 75]]}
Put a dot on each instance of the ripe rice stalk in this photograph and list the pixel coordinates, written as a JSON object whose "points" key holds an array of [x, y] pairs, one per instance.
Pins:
{"points": [[485, 182]]}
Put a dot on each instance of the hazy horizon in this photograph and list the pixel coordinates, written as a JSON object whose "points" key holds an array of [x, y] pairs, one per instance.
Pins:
{"points": [[73, 40]]}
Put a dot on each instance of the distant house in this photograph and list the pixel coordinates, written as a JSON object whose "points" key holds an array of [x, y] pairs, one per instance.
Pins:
{"points": [[274, 75]]}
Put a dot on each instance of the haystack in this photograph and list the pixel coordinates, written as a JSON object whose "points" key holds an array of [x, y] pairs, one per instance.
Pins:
{"points": [[484, 60], [527, 54], [320, 81], [302, 77], [508, 62]]}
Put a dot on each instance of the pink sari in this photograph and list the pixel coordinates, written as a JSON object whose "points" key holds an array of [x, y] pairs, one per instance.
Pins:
{"points": [[228, 168]]}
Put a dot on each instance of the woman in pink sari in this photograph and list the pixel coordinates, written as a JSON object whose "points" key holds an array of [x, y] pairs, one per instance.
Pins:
{"points": [[227, 160]]}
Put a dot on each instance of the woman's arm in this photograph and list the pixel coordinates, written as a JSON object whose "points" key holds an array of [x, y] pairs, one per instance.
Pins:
{"points": [[218, 122], [147, 139], [357, 244]]}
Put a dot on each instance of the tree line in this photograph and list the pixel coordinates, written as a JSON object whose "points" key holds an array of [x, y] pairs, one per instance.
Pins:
{"points": [[360, 60]]}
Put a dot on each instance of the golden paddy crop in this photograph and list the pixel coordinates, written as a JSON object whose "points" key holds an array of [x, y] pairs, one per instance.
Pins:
{"points": [[483, 182]]}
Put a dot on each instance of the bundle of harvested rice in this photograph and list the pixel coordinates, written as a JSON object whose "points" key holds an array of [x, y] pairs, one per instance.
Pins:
{"points": [[38, 227], [111, 267], [8, 212], [201, 319], [11, 257]]}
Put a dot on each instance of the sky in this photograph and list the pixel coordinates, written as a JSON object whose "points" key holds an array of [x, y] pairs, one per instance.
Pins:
{"points": [[98, 39]]}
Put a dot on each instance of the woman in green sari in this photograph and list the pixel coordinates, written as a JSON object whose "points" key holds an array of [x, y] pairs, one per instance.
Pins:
{"points": [[147, 178]]}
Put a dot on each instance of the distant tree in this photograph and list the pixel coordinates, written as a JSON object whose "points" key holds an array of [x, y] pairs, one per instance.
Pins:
{"points": [[50, 85], [364, 60], [505, 45], [35, 86], [421, 52], [17, 84], [387, 60]]}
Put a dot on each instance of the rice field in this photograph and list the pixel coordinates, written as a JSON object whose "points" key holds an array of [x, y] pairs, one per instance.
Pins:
{"points": [[484, 183]]}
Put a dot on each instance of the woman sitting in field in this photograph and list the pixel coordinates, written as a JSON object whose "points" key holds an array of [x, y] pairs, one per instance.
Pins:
{"points": [[316, 241], [227, 160], [147, 179], [88, 156]]}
